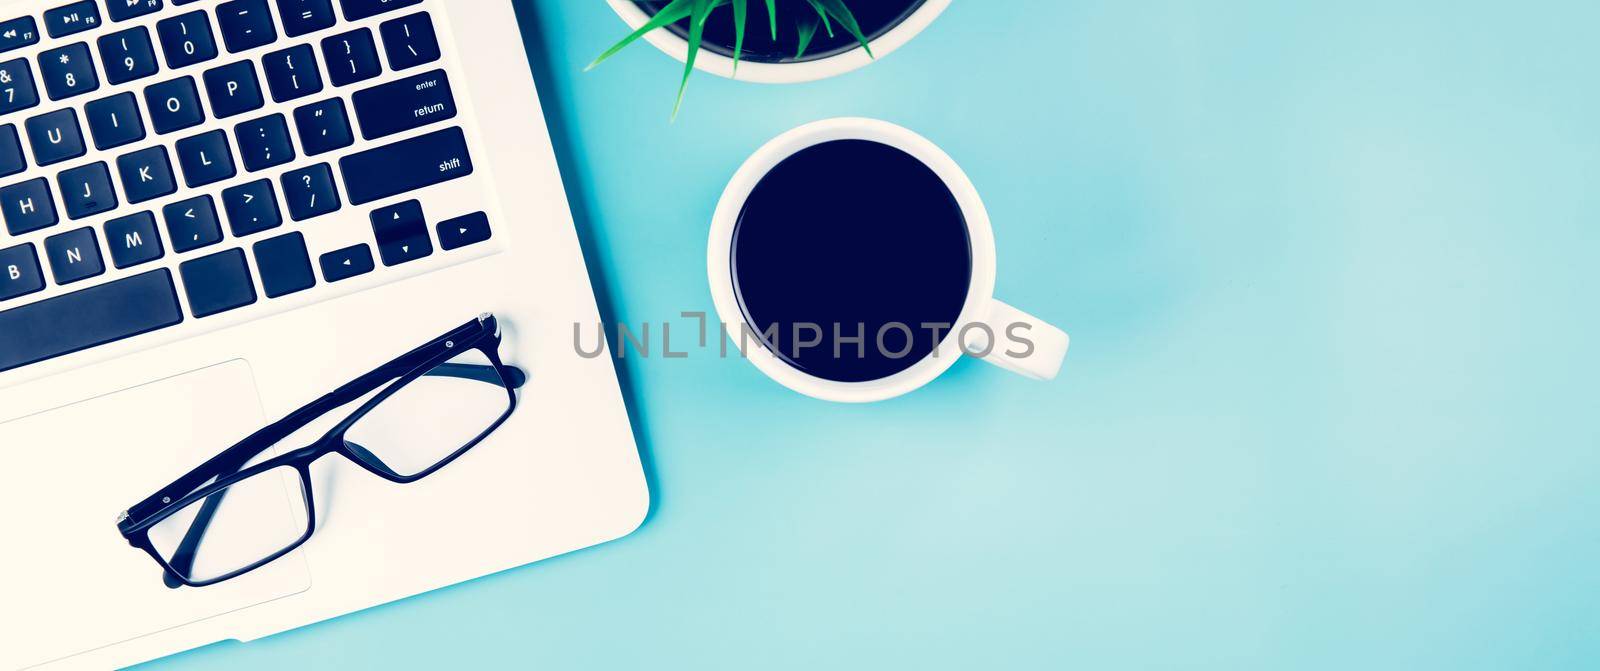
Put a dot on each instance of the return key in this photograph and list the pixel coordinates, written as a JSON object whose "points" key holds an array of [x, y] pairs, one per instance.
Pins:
{"points": [[404, 104]]}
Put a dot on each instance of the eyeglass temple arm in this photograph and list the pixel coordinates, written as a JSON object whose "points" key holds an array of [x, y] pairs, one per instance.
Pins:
{"points": [[481, 373], [183, 559]]}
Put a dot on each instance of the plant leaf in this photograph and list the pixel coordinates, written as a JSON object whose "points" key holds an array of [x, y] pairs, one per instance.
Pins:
{"points": [[714, 4], [675, 11], [808, 30], [740, 12], [846, 18], [772, 17], [823, 14], [697, 31]]}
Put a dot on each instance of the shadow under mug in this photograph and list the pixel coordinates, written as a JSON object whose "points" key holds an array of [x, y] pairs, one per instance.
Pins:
{"points": [[983, 319]]}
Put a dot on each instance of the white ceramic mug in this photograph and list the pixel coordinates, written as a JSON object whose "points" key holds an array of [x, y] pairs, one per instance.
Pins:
{"points": [[985, 324]]}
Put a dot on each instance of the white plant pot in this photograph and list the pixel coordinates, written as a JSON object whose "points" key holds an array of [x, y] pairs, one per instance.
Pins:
{"points": [[782, 73]]}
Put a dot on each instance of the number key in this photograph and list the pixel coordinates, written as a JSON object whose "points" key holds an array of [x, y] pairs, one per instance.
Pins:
{"points": [[127, 55], [68, 71], [186, 39], [17, 90]]}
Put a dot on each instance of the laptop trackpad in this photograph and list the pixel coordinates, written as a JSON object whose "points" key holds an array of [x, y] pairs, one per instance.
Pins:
{"points": [[71, 583]]}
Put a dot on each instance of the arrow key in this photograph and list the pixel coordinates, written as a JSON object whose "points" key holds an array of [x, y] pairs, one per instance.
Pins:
{"points": [[402, 233], [462, 231], [192, 224], [346, 263]]}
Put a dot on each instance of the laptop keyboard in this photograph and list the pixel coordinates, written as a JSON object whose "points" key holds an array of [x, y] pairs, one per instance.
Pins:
{"points": [[165, 162]]}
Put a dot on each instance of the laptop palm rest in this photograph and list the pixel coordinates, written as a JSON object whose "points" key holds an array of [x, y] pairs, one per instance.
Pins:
{"points": [[84, 585]]}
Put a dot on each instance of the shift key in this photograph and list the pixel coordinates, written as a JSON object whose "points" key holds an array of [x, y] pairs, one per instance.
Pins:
{"points": [[402, 105], [406, 165]]}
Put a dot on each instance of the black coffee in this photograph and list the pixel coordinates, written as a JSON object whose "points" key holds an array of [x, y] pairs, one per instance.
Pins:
{"points": [[855, 244]]}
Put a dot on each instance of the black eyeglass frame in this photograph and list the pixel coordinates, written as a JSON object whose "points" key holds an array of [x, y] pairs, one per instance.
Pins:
{"points": [[482, 334]]}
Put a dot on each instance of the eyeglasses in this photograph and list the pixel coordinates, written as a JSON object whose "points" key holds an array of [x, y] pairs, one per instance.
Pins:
{"points": [[239, 511]]}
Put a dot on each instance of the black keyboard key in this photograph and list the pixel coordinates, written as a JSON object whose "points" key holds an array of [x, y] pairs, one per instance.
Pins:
{"points": [[186, 39], [127, 55], [301, 17], [86, 190], [122, 10], [114, 121], [351, 57], [323, 127], [55, 137], [409, 41], [402, 233], [72, 18], [245, 24], [146, 174], [74, 256], [292, 73], [133, 240], [404, 104], [252, 207], [18, 32], [205, 159], [28, 206], [406, 165], [174, 105], [284, 265], [17, 88], [68, 71], [20, 274], [233, 89], [310, 192], [217, 283], [462, 231], [88, 318], [356, 10], [264, 142], [12, 160], [192, 224], [346, 263]]}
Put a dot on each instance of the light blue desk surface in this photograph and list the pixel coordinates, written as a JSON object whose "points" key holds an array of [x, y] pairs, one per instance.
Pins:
{"points": [[1330, 270]]}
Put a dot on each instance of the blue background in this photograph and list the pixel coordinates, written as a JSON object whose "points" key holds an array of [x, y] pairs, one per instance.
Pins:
{"points": [[1330, 271]]}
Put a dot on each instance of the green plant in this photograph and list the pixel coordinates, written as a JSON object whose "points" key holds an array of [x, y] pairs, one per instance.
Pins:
{"points": [[699, 11]]}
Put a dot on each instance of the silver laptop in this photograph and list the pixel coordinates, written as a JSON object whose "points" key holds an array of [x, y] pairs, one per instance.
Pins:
{"points": [[216, 211]]}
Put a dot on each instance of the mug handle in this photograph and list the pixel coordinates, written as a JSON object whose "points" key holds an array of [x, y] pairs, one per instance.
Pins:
{"points": [[1023, 343]]}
